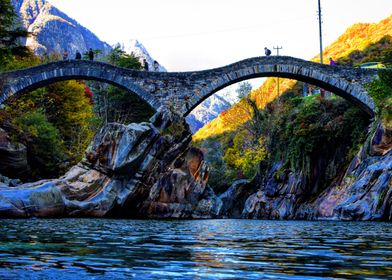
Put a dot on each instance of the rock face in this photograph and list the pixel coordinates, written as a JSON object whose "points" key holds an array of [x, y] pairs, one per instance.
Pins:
{"points": [[233, 200], [278, 196], [55, 31], [13, 157], [129, 171], [363, 193]]}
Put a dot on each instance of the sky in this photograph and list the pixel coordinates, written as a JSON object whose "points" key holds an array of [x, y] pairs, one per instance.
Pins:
{"points": [[187, 35]]}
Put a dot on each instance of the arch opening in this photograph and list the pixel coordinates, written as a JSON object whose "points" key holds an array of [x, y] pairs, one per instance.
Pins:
{"points": [[50, 127], [340, 88], [330, 138]]}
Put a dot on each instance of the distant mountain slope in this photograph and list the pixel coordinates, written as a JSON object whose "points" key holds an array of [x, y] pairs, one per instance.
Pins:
{"points": [[207, 111], [359, 43], [55, 31]]}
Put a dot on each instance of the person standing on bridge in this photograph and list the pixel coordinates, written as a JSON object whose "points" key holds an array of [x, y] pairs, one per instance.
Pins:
{"points": [[91, 54], [145, 64], [65, 55], [78, 55], [267, 51], [156, 66]]}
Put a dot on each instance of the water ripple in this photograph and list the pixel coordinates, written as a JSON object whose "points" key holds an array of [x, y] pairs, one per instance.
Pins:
{"points": [[202, 249]]}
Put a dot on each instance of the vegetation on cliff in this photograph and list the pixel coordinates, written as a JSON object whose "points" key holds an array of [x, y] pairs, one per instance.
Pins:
{"points": [[304, 133], [381, 90]]}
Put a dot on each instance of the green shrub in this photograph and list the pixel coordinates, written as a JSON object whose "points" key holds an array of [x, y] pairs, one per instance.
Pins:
{"points": [[380, 90], [44, 145]]}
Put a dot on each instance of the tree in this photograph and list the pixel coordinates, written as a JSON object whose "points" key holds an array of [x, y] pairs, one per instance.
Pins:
{"points": [[113, 104], [246, 153], [69, 108], [247, 149], [45, 149], [54, 123], [119, 57], [380, 90], [10, 35], [243, 89]]}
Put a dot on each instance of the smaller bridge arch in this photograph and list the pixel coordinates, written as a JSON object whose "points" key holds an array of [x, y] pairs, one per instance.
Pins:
{"points": [[29, 79]]}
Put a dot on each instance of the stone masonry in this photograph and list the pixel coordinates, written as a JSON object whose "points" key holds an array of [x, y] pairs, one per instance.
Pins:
{"points": [[183, 91]]}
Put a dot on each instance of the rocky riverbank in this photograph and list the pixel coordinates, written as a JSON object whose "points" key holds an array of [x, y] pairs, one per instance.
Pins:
{"points": [[362, 192], [148, 170], [137, 170]]}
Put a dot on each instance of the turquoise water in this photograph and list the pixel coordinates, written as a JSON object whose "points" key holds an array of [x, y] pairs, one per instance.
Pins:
{"points": [[193, 249]]}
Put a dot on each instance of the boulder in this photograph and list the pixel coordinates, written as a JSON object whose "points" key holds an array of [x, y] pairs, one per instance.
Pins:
{"points": [[135, 170], [233, 199], [182, 191]]}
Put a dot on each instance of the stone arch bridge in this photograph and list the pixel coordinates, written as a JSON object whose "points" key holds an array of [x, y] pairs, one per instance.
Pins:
{"points": [[183, 91]]}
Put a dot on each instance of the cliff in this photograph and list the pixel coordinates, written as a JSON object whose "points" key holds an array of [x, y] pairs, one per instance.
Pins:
{"points": [[362, 192]]}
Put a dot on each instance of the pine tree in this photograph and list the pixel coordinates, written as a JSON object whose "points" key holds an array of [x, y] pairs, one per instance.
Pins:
{"points": [[10, 35]]}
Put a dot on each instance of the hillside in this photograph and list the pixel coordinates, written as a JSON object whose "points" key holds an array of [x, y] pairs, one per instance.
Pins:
{"points": [[355, 46], [360, 37]]}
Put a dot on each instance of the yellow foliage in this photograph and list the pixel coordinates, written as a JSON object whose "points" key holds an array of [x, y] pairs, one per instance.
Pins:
{"points": [[246, 153]]}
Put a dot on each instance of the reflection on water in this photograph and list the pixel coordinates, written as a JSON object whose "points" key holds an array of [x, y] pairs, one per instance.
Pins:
{"points": [[201, 249]]}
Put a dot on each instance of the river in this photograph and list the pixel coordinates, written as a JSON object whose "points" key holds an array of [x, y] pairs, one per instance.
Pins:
{"points": [[193, 249]]}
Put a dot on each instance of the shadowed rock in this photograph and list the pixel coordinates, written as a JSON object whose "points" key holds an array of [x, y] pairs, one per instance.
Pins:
{"points": [[13, 157], [364, 192]]}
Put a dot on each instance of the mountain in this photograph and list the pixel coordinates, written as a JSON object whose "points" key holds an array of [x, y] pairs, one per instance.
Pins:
{"points": [[53, 30], [360, 43], [137, 48], [207, 111]]}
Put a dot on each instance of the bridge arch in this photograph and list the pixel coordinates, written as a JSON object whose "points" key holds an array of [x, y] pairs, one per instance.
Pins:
{"points": [[347, 82], [29, 79]]}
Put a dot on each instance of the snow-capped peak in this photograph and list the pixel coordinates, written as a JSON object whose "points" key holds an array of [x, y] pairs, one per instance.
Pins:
{"points": [[137, 48]]}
